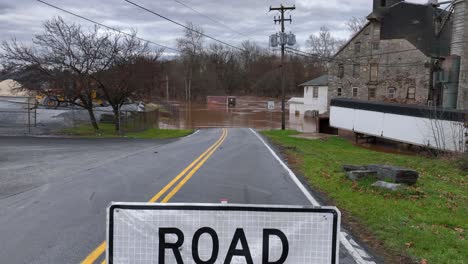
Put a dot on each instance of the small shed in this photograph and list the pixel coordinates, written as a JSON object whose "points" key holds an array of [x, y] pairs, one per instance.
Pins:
{"points": [[315, 97]]}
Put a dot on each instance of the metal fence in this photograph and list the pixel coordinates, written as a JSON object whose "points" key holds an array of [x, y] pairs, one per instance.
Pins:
{"points": [[17, 113], [21, 115], [128, 121]]}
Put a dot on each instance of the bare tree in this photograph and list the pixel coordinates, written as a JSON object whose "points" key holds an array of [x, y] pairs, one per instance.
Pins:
{"points": [[355, 24], [63, 58], [324, 44], [118, 80], [226, 67], [191, 49], [446, 135]]}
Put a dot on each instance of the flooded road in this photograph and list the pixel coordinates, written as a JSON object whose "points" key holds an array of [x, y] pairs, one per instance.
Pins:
{"points": [[249, 112]]}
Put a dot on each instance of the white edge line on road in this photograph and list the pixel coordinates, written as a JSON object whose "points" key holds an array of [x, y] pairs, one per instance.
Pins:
{"points": [[290, 172], [344, 241], [194, 133]]}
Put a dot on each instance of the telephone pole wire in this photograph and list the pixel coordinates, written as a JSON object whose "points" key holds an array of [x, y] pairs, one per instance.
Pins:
{"points": [[281, 20]]}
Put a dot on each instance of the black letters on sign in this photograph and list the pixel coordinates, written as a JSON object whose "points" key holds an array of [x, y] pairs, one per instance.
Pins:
{"points": [[266, 246], [195, 240], [244, 251], [163, 245]]}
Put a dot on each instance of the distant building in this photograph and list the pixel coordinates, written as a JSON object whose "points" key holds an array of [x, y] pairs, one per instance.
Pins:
{"points": [[315, 98], [405, 54]]}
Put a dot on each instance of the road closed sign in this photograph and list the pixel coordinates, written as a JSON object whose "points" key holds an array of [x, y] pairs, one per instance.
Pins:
{"points": [[221, 233]]}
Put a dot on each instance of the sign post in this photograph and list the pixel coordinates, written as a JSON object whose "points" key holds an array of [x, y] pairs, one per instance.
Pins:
{"points": [[221, 233]]}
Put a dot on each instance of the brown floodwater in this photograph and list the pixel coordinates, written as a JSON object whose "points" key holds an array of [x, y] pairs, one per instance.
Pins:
{"points": [[249, 112]]}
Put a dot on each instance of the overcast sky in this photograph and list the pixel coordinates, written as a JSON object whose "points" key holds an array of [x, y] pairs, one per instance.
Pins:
{"points": [[23, 18]]}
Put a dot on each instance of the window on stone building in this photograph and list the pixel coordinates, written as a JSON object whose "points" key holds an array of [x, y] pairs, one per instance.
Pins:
{"points": [[355, 92], [340, 71], [315, 91], [371, 92], [356, 70], [375, 45], [411, 93], [339, 91], [383, 3], [391, 92], [374, 72], [357, 47]]}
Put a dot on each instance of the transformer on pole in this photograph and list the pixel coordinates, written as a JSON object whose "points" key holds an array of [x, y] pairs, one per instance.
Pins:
{"points": [[282, 39]]}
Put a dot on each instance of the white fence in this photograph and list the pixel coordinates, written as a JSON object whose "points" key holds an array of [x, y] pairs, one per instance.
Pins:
{"points": [[441, 129]]}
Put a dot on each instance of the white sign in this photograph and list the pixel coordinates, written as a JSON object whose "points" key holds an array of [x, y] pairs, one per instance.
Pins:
{"points": [[221, 233], [271, 105]]}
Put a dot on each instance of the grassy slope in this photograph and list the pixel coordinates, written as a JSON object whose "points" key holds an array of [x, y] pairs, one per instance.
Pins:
{"points": [[426, 221], [108, 131]]}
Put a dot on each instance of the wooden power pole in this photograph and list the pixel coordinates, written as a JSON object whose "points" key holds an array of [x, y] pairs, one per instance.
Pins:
{"points": [[281, 20], [167, 87]]}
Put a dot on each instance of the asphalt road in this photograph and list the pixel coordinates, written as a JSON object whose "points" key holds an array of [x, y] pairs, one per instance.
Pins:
{"points": [[54, 192]]}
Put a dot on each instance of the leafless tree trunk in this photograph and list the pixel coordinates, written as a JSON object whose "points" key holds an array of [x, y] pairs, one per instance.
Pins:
{"points": [[446, 135], [118, 80], [191, 49]]}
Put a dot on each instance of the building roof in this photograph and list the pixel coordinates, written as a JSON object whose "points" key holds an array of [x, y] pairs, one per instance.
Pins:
{"points": [[413, 22], [320, 81], [296, 100], [416, 23]]}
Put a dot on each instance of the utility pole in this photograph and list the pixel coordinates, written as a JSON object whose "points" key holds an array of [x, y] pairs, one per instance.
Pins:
{"points": [[167, 87], [283, 43]]}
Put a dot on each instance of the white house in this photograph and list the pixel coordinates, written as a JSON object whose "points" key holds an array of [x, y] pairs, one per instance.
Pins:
{"points": [[315, 97]]}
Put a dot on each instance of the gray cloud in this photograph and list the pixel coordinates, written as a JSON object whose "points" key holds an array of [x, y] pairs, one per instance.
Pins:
{"points": [[23, 18]]}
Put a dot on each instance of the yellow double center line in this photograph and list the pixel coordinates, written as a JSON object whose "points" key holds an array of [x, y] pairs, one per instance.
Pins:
{"points": [[188, 172]]}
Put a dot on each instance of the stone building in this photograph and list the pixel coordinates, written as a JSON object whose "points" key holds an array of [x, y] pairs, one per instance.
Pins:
{"points": [[398, 56]]}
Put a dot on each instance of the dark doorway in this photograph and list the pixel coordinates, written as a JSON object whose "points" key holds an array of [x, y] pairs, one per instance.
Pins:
{"points": [[324, 126]]}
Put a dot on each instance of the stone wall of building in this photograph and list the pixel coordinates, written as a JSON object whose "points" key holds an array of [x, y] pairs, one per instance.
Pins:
{"points": [[377, 70], [459, 47]]}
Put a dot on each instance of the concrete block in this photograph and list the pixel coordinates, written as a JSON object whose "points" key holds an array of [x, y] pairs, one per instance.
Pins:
{"points": [[361, 174], [347, 167], [388, 186], [395, 174]]}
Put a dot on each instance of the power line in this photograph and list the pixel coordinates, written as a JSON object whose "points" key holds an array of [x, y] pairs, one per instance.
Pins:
{"points": [[209, 18], [181, 25], [105, 26]]}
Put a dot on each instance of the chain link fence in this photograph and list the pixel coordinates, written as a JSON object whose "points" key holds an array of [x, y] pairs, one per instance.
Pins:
{"points": [[128, 121], [22, 116]]}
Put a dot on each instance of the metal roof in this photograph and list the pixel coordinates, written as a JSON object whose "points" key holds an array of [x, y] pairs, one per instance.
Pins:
{"points": [[403, 109], [320, 81]]}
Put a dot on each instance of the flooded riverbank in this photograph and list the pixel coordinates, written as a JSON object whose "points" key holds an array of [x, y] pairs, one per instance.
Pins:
{"points": [[249, 112]]}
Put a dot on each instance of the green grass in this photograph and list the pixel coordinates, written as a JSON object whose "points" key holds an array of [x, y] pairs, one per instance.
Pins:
{"points": [[161, 133], [425, 221], [108, 131]]}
